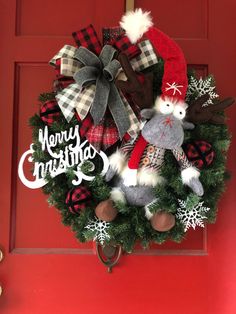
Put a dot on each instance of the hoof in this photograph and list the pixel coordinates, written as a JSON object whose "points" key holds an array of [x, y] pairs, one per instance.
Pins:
{"points": [[162, 221], [106, 211]]}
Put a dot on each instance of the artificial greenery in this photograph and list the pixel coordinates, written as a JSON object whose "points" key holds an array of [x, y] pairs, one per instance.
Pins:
{"points": [[131, 224]]}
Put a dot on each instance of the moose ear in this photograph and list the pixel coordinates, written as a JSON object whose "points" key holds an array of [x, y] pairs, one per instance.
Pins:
{"points": [[147, 113], [188, 125]]}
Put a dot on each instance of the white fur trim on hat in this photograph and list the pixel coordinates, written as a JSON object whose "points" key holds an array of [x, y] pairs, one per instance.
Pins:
{"points": [[136, 23], [149, 177], [188, 174], [117, 161], [130, 176]]}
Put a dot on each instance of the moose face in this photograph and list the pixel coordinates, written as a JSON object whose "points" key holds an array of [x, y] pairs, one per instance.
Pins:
{"points": [[165, 127]]}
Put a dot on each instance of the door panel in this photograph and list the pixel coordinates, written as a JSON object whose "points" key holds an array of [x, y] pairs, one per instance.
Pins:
{"points": [[187, 25], [45, 270]]}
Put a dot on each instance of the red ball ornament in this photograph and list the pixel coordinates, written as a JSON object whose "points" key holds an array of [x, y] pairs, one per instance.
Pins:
{"points": [[77, 199], [50, 112], [199, 153]]}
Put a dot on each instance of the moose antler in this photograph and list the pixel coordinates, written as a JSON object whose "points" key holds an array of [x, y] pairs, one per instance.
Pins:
{"points": [[197, 114], [141, 92]]}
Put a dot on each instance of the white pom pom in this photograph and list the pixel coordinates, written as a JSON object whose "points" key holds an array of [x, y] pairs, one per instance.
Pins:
{"points": [[188, 174], [117, 195], [136, 23], [130, 176]]}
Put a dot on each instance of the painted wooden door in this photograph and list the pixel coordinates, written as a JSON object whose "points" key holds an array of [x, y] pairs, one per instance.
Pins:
{"points": [[44, 269]]}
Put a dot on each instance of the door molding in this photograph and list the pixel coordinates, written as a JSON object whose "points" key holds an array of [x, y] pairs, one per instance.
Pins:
{"points": [[129, 5]]}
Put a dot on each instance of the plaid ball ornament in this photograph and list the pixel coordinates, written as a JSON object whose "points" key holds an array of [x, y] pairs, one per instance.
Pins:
{"points": [[199, 153], [77, 199], [50, 112]]}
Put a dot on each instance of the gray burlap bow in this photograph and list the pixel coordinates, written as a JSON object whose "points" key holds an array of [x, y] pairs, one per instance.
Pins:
{"points": [[103, 71]]}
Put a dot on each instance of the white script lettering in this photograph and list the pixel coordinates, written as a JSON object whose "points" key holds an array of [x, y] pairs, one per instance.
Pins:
{"points": [[72, 155]]}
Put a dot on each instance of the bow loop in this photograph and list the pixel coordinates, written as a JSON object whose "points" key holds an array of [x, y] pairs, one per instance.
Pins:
{"points": [[103, 69], [107, 54], [100, 100], [110, 71], [87, 57], [86, 76], [65, 52]]}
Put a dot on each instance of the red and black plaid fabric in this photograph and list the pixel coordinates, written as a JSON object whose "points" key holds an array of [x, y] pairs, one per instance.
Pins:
{"points": [[58, 68], [101, 136], [85, 125], [123, 44], [110, 134], [59, 85], [62, 81], [115, 36], [77, 199], [50, 112], [110, 34], [87, 37], [95, 136], [199, 153]]}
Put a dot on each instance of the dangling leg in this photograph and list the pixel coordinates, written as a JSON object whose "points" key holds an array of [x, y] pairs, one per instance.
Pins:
{"points": [[161, 221], [106, 210]]}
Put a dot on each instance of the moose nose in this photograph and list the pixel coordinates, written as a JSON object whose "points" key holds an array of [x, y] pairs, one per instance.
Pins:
{"points": [[168, 121]]}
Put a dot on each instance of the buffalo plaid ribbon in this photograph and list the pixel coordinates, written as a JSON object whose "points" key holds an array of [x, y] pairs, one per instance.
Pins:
{"points": [[77, 199], [50, 111], [60, 84], [115, 36], [85, 125], [123, 44], [87, 37]]}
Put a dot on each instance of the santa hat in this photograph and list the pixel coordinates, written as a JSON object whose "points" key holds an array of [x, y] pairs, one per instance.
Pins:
{"points": [[138, 25]]}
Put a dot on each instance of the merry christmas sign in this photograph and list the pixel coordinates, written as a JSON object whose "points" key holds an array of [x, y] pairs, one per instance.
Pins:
{"points": [[66, 151]]}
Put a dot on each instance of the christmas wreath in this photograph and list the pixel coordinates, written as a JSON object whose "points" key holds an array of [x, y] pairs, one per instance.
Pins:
{"points": [[129, 146]]}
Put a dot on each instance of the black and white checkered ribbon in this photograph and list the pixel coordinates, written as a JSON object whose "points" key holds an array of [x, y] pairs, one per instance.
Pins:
{"points": [[81, 97], [147, 57]]}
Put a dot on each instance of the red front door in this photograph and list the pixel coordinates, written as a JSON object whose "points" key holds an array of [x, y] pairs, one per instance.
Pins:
{"points": [[45, 270]]}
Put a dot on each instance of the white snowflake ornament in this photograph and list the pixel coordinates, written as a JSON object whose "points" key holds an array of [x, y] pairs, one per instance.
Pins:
{"points": [[201, 87], [193, 217], [100, 228]]}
